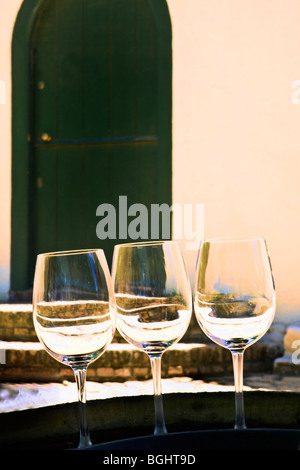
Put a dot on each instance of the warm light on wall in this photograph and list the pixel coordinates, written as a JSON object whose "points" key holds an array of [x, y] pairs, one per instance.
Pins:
{"points": [[2, 92]]}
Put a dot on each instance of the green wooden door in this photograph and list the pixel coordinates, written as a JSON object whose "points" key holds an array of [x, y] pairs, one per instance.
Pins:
{"points": [[100, 118]]}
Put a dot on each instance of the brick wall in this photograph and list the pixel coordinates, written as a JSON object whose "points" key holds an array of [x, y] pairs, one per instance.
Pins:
{"points": [[16, 324], [195, 356]]}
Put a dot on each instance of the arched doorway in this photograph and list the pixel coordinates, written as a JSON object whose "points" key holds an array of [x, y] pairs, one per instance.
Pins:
{"points": [[91, 120]]}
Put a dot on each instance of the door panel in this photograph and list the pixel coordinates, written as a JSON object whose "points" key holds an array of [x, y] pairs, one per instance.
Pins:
{"points": [[100, 117], [44, 227]]}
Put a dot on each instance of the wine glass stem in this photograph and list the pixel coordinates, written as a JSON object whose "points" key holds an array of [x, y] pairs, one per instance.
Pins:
{"points": [[160, 426], [80, 377], [237, 360]]}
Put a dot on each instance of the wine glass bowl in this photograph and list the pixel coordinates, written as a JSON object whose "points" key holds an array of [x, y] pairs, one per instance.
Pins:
{"points": [[235, 299], [73, 313], [63, 330], [153, 303]]}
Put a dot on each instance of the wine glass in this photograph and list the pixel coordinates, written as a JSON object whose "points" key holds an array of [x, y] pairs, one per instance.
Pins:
{"points": [[234, 300], [153, 303], [74, 315]]}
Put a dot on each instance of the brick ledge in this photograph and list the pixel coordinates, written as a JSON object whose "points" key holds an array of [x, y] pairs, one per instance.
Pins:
{"points": [[29, 362]]}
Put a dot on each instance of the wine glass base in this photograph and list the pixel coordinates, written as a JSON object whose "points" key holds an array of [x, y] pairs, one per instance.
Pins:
{"points": [[84, 442], [240, 427], [160, 431]]}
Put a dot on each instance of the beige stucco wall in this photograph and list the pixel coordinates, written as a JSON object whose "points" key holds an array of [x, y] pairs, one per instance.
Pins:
{"points": [[236, 123]]}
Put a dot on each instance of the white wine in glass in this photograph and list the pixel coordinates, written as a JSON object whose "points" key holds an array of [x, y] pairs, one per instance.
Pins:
{"points": [[153, 302], [74, 314], [235, 300]]}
